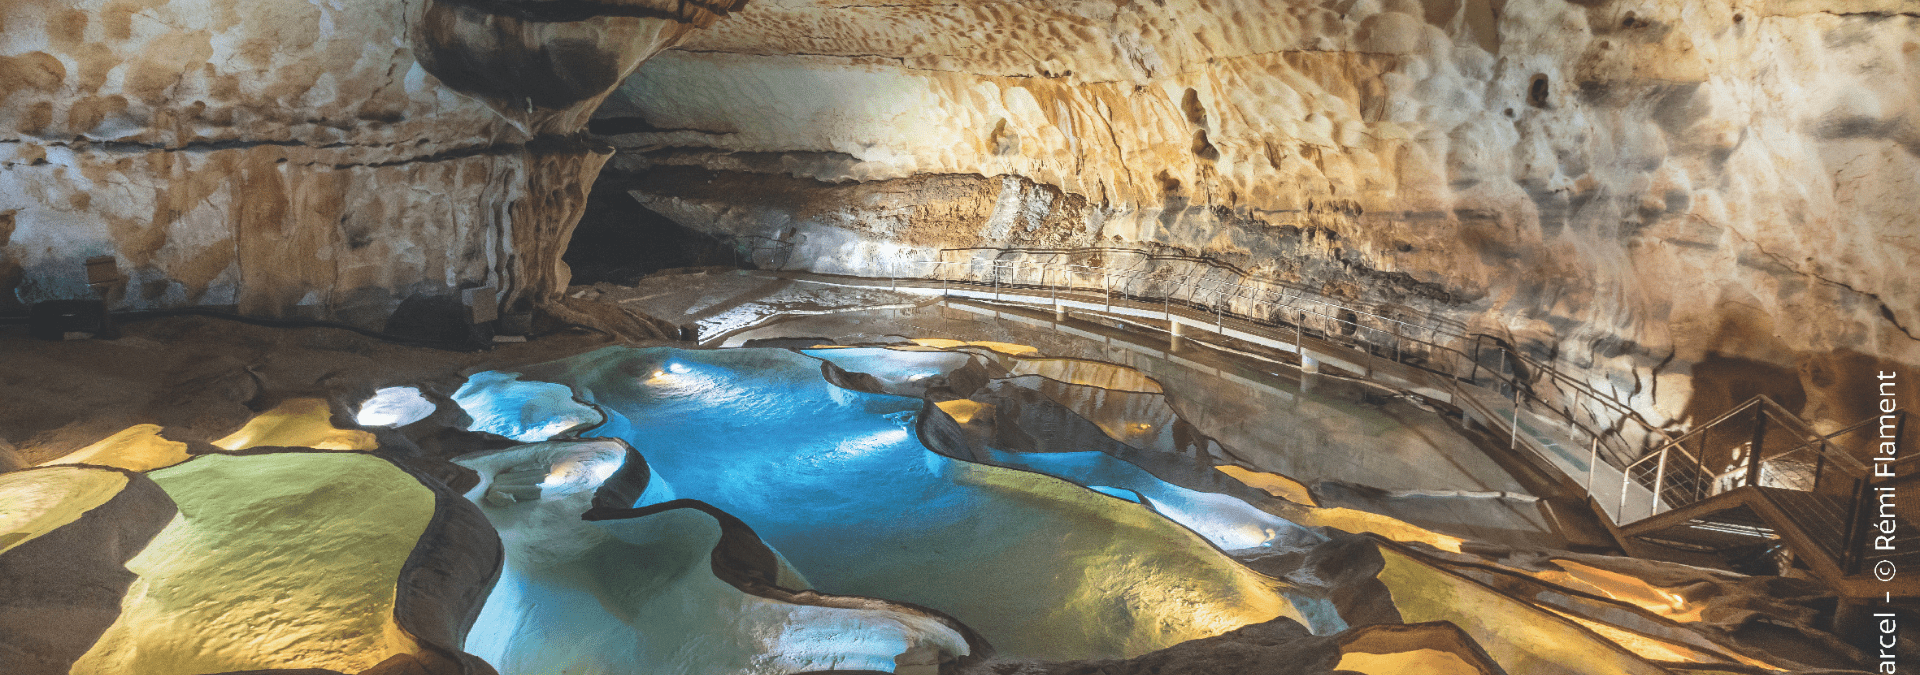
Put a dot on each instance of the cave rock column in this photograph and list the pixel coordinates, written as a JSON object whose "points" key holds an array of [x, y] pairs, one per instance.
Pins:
{"points": [[544, 66]]}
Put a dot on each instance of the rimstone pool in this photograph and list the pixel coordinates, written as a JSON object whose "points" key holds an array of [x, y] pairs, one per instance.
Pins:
{"points": [[840, 485], [896, 508], [931, 506]]}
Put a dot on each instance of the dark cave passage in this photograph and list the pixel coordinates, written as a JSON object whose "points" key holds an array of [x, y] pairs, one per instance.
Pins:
{"points": [[619, 240]]}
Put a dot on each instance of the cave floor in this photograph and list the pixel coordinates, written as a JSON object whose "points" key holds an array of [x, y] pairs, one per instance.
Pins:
{"points": [[1352, 444], [200, 378]]}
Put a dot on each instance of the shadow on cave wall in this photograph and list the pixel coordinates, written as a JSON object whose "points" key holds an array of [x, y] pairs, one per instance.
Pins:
{"points": [[620, 240]]}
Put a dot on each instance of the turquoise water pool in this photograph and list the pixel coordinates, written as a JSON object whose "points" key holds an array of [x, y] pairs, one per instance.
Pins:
{"points": [[839, 483]]}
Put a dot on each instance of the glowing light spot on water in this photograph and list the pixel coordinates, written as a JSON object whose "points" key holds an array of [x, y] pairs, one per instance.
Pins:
{"points": [[529, 412], [394, 407], [584, 471]]}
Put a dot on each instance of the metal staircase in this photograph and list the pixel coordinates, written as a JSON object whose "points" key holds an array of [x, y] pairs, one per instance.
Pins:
{"points": [[1760, 489]]}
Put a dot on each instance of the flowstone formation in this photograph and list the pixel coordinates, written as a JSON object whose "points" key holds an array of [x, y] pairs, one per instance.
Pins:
{"points": [[1686, 203]]}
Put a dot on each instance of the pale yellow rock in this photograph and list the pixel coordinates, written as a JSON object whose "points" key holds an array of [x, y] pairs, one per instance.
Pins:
{"points": [[1089, 373], [297, 423], [1518, 635], [1270, 483], [1429, 661], [963, 410], [1623, 588], [37, 501], [261, 569], [137, 448], [1005, 348]]}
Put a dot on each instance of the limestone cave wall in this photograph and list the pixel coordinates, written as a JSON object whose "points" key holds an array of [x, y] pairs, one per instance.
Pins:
{"points": [[316, 160], [1688, 202]]}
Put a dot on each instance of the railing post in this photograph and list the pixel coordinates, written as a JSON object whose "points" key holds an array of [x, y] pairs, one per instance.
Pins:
{"points": [[1514, 439], [1853, 544], [1475, 372], [1702, 461], [1819, 464], [1759, 434], [1593, 466], [1453, 362], [1626, 478], [1106, 284], [1659, 479], [1220, 312], [1299, 344]]}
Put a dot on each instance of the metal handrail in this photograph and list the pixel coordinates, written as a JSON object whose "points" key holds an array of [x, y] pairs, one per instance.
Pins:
{"points": [[1825, 459], [1291, 298], [1621, 412], [1218, 304], [1286, 299]]}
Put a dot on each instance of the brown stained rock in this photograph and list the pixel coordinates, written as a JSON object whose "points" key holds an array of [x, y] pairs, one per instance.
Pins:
{"points": [[294, 160]]}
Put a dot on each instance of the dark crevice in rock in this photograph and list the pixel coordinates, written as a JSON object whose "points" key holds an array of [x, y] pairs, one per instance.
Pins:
{"points": [[83, 143], [1885, 311], [560, 11], [615, 126]]}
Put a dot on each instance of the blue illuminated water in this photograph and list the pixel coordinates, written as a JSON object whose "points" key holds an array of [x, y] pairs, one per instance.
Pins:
{"points": [[838, 482]]}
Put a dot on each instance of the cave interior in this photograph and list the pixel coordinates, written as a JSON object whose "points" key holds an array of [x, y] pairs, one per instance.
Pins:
{"points": [[974, 337]]}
